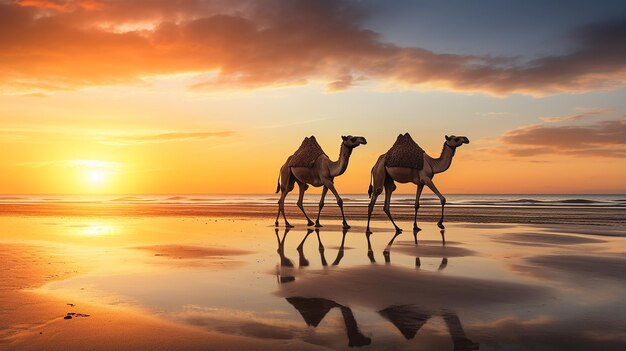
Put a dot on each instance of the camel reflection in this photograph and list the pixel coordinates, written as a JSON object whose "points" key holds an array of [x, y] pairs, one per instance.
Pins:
{"points": [[442, 232], [370, 252], [304, 262], [313, 310], [284, 261], [340, 253], [341, 248], [409, 319], [387, 251]]}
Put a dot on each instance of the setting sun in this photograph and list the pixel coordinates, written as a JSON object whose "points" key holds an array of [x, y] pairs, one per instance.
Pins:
{"points": [[95, 177]]}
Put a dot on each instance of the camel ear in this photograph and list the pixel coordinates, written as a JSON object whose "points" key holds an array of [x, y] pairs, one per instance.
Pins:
{"points": [[344, 137], [447, 138]]}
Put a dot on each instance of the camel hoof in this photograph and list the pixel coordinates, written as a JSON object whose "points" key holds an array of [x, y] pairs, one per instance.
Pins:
{"points": [[440, 225], [346, 226], [276, 224], [398, 230], [368, 231], [287, 225], [317, 225], [310, 223], [416, 229]]}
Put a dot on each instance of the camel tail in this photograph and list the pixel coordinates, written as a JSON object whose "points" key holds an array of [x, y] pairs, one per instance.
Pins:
{"points": [[371, 188], [278, 184]]}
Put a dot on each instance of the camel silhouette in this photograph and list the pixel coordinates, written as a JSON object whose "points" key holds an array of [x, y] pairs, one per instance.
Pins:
{"points": [[311, 166], [403, 170]]}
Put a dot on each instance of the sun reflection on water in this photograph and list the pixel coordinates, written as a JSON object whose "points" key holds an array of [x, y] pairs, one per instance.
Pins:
{"points": [[98, 229]]}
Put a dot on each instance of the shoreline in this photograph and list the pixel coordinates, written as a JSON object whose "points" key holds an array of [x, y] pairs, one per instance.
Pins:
{"points": [[599, 216]]}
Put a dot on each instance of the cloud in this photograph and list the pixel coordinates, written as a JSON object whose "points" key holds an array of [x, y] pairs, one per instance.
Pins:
{"points": [[59, 45], [564, 136], [165, 137], [296, 123], [579, 116], [108, 166]]}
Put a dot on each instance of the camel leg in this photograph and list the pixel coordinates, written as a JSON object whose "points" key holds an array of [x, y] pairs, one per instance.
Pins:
{"points": [[283, 178], [281, 208], [319, 212], [370, 209], [279, 211], [378, 180], [418, 194], [389, 188], [303, 187], [285, 189], [330, 185], [432, 187]]}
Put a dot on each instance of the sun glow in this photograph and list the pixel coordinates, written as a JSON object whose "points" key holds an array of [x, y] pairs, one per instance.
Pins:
{"points": [[95, 177]]}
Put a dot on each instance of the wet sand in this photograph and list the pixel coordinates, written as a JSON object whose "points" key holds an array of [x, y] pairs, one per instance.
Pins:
{"points": [[236, 282]]}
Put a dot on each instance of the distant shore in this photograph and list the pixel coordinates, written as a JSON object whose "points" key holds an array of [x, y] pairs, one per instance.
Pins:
{"points": [[601, 216]]}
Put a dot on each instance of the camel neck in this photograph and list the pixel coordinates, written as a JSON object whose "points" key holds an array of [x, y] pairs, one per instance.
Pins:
{"points": [[444, 161], [340, 166]]}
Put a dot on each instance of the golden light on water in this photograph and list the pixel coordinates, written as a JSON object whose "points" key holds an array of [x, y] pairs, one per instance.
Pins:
{"points": [[98, 230]]}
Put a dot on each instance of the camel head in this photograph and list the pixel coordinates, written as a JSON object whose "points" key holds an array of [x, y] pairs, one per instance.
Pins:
{"points": [[353, 141], [456, 141]]}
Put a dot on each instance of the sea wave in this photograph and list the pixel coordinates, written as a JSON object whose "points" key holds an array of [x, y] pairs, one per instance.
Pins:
{"points": [[578, 201]]}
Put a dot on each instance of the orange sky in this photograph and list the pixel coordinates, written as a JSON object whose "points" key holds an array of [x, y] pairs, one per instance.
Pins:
{"points": [[211, 97]]}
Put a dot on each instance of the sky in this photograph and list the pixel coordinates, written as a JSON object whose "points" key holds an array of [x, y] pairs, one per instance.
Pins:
{"points": [[163, 97]]}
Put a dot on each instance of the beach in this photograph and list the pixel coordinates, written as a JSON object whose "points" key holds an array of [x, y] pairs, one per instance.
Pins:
{"points": [[132, 276]]}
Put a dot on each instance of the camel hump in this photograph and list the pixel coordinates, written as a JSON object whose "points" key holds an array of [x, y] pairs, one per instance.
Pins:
{"points": [[405, 153], [307, 153]]}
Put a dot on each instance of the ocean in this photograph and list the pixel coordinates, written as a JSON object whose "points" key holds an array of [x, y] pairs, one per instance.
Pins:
{"points": [[614, 201]]}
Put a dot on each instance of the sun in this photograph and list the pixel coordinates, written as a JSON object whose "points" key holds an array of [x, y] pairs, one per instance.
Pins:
{"points": [[95, 177]]}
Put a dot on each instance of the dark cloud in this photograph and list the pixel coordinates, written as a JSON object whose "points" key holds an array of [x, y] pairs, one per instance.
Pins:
{"points": [[52, 45]]}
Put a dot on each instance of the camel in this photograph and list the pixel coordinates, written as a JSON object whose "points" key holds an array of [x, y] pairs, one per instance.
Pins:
{"points": [[384, 177], [321, 172]]}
